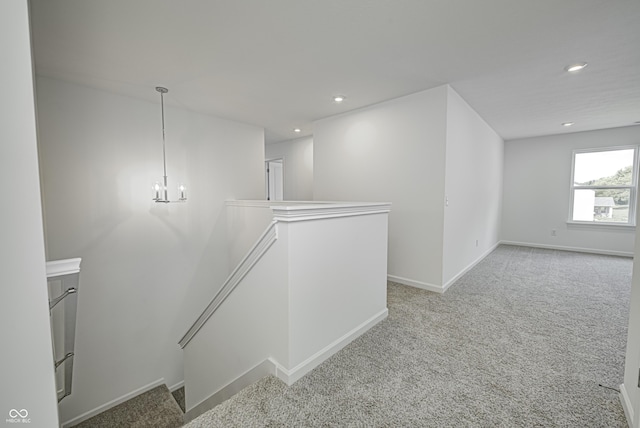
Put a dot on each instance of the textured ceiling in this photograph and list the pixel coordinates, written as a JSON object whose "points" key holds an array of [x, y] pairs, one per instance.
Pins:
{"points": [[277, 63]]}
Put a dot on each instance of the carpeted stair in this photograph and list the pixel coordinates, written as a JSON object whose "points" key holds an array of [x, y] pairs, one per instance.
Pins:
{"points": [[178, 395], [156, 408]]}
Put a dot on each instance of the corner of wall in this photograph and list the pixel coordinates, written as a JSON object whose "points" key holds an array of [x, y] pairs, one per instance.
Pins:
{"points": [[474, 163]]}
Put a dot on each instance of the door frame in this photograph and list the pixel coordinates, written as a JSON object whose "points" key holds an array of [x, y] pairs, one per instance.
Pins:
{"points": [[280, 159]]}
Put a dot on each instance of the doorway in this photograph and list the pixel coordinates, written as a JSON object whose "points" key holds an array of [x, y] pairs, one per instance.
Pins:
{"points": [[274, 179]]}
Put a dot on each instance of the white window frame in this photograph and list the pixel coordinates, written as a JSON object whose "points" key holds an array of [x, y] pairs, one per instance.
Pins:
{"points": [[633, 187]]}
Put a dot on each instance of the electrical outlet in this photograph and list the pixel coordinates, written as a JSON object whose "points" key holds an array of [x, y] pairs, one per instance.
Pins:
{"points": [[476, 242], [553, 232]]}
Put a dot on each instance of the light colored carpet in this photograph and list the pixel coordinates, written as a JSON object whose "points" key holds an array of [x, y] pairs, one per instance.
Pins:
{"points": [[522, 340], [178, 395], [153, 409]]}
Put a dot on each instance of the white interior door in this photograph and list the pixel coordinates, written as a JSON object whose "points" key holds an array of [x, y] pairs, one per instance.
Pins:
{"points": [[275, 180]]}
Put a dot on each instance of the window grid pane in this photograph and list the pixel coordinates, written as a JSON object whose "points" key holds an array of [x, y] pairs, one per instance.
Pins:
{"points": [[608, 168], [601, 205]]}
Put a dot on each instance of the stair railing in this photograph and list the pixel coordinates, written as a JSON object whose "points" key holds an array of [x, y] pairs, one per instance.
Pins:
{"points": [[68, 273]]}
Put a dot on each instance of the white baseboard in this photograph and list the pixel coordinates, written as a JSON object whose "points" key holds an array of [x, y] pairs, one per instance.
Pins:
{"points": [[176, 386], [575, 249], [441, 288], [470, 266], [91, 413], [626, 405], [292, 375], [416, 284]]}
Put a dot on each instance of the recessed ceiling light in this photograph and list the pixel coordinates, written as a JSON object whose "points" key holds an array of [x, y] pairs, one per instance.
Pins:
{"points": [[339, 98], [297, 130], [573, 68], [567, 124]]}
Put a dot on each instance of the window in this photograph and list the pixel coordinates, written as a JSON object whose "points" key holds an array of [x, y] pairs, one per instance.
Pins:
{"points": [[603, 186]]}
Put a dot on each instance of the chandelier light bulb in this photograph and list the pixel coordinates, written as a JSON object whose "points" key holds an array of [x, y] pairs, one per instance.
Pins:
{"points": [[156, 189]]}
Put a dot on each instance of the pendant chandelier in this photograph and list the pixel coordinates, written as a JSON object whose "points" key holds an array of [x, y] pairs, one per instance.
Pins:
{"points": [[161, 191]]}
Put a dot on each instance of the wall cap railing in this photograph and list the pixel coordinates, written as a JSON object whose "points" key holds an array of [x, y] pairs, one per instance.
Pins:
{"points": [[290, 213], [57, 268], [283, 211]]}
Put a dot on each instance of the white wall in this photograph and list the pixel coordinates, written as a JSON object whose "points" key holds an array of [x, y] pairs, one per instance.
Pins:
{"points": [[246, 222], [27, 360], [297, 157], [147, 269], [337, 284], [536, 192], [391, 152], [473, 188], [249, 327], [299, 304], [630, 389]]}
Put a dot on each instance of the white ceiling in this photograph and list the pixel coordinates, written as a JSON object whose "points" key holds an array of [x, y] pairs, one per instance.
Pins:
{"points": [[277, 63]]}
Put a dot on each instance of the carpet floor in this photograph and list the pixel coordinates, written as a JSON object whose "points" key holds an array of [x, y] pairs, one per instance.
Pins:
{"points": [[153, 409], [524, 339]]}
